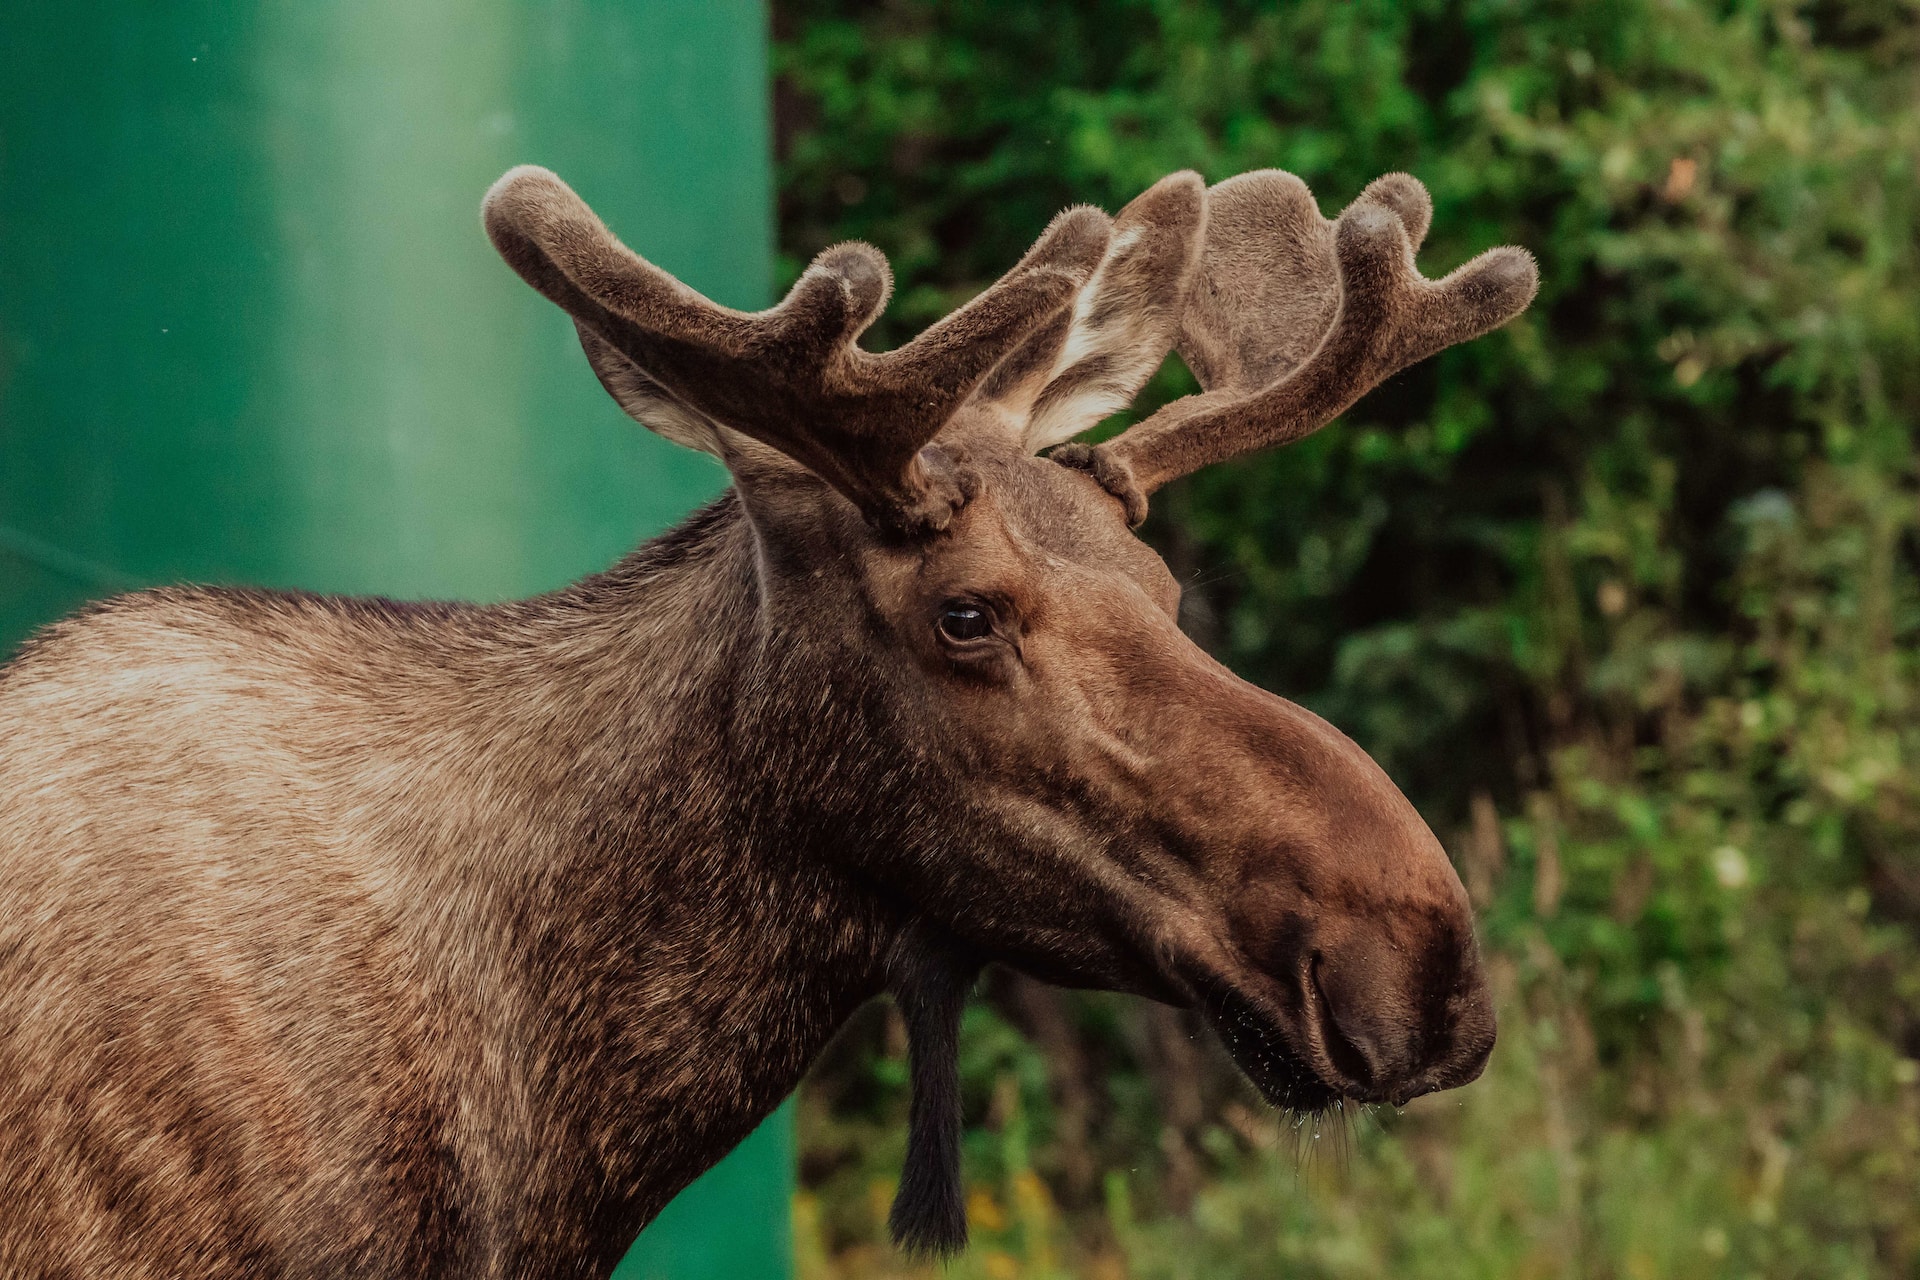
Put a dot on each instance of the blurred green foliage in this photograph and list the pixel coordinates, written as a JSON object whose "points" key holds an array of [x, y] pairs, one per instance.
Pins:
{"points": [[1626, 596]]}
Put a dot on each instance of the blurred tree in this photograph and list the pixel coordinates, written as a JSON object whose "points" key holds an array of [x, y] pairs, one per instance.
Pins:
{"points": [[1626, 597]]}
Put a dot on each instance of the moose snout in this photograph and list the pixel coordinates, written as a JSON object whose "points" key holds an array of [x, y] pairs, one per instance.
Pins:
{"points": [[1355, 933], [1394, 1022]]}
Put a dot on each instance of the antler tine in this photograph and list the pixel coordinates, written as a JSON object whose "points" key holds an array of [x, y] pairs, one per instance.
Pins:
{"points": [[793, 377], [1294, 318]]}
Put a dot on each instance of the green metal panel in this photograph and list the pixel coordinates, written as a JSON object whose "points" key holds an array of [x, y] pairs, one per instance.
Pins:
{"points": [[250, 330]]}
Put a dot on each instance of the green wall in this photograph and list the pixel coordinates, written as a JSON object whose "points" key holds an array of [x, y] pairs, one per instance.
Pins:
{"points": [[250, 330]]}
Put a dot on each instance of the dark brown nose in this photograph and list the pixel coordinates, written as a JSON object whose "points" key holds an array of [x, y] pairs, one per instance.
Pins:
{"points": [[1396, 1022]]}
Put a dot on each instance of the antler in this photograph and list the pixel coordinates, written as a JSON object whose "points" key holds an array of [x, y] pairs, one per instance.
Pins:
{"points": [[791, 377], [1293, 318]]}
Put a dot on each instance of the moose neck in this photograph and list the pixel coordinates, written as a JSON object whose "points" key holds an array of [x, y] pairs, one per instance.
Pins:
{"points": [[675, 940]]}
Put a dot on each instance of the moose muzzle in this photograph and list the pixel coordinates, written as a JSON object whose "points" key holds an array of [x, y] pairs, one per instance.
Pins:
{"points": [[1392, 1023], [1350, 969]]}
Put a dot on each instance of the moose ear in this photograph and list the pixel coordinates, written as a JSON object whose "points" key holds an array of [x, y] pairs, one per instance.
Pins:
{"points": [[755, 467], [645, 400], [1093, 357]]}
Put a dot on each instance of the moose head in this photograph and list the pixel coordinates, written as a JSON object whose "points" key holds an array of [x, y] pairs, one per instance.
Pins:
{"points": [[1043, 766]]}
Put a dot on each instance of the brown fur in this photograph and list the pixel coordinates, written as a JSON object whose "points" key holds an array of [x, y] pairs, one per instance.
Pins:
{"points": [[353, 937]]}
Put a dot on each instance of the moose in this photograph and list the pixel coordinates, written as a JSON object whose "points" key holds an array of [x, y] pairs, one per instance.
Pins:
{"points": [[375, 938]]}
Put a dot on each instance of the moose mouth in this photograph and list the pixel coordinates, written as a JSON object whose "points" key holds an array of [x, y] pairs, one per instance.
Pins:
{"points": [[1261, 1050], [1266, 1053]]}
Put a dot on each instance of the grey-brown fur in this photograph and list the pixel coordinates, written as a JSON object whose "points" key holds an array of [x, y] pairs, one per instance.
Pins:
{"points": [[348, 937], [1293, 318], [341, 937]]}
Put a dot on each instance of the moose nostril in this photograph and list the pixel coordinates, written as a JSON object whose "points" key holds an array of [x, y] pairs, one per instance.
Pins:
{"points": [[1349, 1057], [1472, 1031]]}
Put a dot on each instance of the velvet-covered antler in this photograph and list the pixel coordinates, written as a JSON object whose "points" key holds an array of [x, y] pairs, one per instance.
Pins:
{"points": [[791, 377], [1093, 357], [1292, 318]]}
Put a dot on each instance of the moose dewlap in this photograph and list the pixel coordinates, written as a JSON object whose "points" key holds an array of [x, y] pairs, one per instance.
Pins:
{"points": [[347, 937]]}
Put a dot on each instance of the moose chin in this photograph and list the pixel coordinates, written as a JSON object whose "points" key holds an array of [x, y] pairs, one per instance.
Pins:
{"points": [[349, 937]]}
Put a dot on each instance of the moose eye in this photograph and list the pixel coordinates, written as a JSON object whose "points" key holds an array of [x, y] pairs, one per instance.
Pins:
{"points": [[963, 622]]}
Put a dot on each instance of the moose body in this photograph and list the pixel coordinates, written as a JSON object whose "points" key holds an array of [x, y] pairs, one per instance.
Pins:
{"points": [[341, 938], [349, 937]]}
